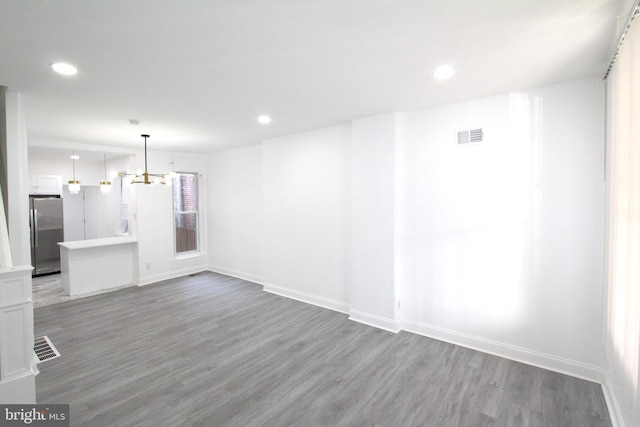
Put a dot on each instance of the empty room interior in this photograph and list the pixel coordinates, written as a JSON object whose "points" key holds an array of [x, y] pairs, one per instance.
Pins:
{"points": [[323, 212]]}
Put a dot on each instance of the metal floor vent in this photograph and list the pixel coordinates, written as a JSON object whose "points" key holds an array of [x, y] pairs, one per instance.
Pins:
{"points": [[44, 349], [471, 136]]}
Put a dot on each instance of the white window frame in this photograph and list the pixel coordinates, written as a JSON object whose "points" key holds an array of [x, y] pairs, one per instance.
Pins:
{"points": [[197, 250]]}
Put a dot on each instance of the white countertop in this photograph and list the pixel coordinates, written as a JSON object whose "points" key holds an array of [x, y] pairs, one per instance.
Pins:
{"points": [[93, 243]]}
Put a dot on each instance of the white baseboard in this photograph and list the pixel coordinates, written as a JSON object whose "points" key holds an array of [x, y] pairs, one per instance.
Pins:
{"points": [[612, 404], [155, 278], [308, 298], [518, 354], [237, 274], [374, 320], [103, 291], [187, 271]]}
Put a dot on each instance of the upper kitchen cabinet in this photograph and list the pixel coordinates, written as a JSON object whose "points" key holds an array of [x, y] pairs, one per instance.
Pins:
{"points": [[45, 184]]}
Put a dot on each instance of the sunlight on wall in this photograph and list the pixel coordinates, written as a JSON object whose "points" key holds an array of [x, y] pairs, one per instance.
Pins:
{"points": [[501, 241], [497, 220]]}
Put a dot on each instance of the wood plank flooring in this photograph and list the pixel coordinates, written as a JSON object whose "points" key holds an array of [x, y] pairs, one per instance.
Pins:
{"points": [[211, 350], [47, 290]]}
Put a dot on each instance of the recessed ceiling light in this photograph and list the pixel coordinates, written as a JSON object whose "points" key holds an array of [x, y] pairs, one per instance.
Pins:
{"points": [[64, 69], [264, 119], [74, 157], [443, 72]]}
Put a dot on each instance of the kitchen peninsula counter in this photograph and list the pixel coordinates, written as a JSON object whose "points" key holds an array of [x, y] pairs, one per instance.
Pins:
{"points": [[95, 265]]}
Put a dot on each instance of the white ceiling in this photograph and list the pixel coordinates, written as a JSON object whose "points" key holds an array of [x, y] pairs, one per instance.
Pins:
{"points": [[198, 73]]}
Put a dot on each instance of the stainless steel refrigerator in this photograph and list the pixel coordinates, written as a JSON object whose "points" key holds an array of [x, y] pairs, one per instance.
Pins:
{"points": [[45, 220]]}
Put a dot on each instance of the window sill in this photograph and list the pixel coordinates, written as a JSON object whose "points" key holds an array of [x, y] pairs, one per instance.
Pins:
{"points": [[187, 255]]}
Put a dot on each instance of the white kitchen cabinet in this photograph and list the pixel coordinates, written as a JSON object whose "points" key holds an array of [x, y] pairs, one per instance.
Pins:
{"points": [[45, 184]]}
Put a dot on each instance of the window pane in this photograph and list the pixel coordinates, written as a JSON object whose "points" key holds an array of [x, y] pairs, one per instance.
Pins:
{"points": [[186, 232], [185, 192], [185, 211]]}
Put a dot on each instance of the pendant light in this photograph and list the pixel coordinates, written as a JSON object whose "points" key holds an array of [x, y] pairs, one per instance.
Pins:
{"points": [[105, 186], [74, 185], [143, 178]]}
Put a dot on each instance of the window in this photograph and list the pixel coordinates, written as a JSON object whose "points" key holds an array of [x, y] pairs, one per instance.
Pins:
{"points": [[124, 206], [185, 211]]}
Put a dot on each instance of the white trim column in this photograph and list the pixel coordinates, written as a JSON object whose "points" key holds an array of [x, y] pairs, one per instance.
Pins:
{"points": [[17, 171], [18, 362]]}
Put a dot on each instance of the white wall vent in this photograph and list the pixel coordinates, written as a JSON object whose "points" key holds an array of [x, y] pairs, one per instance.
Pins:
{"points": [[470, 136]]}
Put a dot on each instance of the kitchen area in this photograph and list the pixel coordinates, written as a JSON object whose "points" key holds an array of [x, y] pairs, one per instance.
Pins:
{"points": [[61, 215]]}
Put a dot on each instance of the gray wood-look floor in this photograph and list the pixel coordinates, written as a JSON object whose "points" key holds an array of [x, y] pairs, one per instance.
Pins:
{"points": [[211, 350], [48, 290]]}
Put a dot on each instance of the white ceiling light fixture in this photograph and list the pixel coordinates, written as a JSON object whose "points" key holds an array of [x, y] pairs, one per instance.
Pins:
{"points": [[264, 119], [64, 69], [443, 72]]}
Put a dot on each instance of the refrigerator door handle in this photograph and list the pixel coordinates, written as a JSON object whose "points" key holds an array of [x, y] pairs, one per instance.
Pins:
{"points": [[35, 228], [31, 231]]}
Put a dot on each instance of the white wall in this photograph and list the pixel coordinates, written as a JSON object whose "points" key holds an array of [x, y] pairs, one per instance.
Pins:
{"points": [[502, 241], [151, 216], [305, 187], [151, 222], [372, 217], [89, 172], [73, 216], [496, 246], [235, 213], [99, 213]]}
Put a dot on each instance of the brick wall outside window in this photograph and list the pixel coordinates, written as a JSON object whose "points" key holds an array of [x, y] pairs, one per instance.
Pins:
{"points": [[185, 206]]}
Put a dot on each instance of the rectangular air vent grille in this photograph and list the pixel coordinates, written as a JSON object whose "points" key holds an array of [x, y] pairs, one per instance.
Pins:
{"points": [[44, 349], [471, 136]]}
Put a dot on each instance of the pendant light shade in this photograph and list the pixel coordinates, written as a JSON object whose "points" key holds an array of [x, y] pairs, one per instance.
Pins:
{"points": [[74, 184], [74, 187], [105, 185]]}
